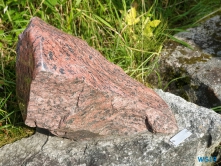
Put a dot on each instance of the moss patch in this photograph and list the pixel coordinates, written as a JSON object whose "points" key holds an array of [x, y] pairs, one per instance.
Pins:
{"points": [[193, 60]]}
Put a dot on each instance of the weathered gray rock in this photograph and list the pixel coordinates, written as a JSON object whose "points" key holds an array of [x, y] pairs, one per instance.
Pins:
{"points": [[142, 149], [68, 87], [200, 66]]}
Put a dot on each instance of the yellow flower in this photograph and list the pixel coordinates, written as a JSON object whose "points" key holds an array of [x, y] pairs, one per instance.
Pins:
{"points": [[148, 30], [154, 23], [130, 17]]}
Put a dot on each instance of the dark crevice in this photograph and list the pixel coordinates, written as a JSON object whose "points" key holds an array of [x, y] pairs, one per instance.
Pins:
{"points": [[149, 127]]}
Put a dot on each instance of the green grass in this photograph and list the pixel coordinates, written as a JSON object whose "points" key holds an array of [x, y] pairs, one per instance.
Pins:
{"points": [[103, 25], [217, 109]]}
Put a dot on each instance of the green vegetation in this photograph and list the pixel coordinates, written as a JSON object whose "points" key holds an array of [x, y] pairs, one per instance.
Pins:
{"points": [[130, 34], [217, 109]]}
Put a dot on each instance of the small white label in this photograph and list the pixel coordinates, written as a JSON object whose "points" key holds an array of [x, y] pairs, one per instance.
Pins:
{"points": [[180, 137]]}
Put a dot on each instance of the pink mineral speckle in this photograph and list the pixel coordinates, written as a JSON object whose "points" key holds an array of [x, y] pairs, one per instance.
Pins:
{"points": [[65, 85]]}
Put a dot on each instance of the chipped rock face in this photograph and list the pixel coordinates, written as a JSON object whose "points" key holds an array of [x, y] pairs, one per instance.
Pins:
{"points": [[66, 86]]}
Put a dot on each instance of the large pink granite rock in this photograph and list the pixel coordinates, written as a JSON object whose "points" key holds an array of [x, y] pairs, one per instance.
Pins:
{"points": [[66, 86]]}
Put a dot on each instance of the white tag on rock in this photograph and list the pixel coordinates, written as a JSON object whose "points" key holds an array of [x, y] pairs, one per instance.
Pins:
{"points": [[180, 137]]}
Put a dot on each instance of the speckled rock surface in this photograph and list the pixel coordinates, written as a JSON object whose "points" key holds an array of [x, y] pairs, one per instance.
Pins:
{"points": [[66, 86], [143, 149], [200, 67]]}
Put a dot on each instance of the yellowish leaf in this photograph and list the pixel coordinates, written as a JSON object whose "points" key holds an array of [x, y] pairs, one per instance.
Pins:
{"points": [[149, 27], [148, 31], [130, 17], [154, 23]]}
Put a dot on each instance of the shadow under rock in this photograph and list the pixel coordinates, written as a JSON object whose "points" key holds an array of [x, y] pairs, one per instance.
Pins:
{"points": [[44, 131]]}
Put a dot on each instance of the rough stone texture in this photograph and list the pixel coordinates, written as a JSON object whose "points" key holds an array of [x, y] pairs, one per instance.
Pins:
{"points": [[145, 148], [68, 87], [201, 66]]}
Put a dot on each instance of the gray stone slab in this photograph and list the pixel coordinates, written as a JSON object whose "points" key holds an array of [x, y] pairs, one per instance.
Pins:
{"points": [[142, 149], [201, 65]]}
